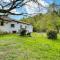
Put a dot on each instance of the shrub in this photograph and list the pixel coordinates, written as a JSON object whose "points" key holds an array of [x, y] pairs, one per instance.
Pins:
{"points": [[52, 34], [29, 34], [23, 32]]}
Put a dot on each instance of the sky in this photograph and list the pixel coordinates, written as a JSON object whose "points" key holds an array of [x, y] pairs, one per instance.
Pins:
{"points": [[50, 1], [57, 1], [32, 8]]}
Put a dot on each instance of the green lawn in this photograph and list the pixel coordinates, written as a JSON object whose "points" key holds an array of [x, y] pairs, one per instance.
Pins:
{"points": [[37, 47]]}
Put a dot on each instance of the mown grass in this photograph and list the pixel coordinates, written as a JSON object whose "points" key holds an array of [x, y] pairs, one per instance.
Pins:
{"points": [[37, 47]]}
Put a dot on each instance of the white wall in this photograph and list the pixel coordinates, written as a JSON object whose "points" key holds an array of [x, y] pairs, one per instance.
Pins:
{"points": [[29, 28], [7, 27], [16, 28]]}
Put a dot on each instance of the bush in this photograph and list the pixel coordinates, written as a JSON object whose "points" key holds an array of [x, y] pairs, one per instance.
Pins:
{"points": [[29, 34], [52, 34], [23, 32]]}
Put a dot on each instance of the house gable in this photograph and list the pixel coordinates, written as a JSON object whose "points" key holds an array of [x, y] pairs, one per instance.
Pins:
{"points": [[10, 25]]}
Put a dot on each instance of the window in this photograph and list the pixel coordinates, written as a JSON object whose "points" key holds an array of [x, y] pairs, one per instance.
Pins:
{"points": [[2, 23], [12, 25]]}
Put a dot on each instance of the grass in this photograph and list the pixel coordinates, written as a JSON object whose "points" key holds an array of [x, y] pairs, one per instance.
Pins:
{"points": [[37, 47]]}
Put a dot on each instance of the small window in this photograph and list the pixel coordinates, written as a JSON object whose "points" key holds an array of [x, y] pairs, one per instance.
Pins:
{"points": [[2, 23], [12, 25]]}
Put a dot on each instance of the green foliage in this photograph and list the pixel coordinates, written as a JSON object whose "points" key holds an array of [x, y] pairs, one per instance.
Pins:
{"points": [[43, 22], [52, 34], [36, 21]]}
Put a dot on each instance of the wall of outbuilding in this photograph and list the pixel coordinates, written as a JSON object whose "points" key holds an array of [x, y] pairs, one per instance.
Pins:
{"points": [[7, 27]]}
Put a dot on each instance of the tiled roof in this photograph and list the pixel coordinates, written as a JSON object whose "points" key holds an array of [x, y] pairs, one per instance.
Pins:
{"points": [[9, 19]]}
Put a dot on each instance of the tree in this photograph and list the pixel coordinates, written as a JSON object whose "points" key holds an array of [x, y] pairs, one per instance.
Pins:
{"points": [[7, 7], [53, 10]]}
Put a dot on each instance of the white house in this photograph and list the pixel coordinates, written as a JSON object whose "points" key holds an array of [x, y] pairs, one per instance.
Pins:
{"points": [[13, 26]]}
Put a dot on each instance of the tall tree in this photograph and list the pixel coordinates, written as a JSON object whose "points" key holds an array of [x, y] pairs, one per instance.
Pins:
{"points": [[54, 11], [7, 7]]}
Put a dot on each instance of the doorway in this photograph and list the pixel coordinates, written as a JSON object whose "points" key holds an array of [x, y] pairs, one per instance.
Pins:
{"points": [[14, 31]]}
